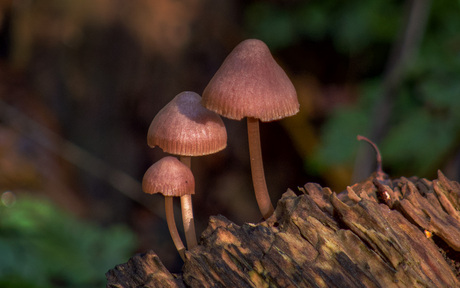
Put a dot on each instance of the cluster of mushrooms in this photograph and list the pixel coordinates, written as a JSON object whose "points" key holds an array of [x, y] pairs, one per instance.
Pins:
{"points": [[248, 84]]}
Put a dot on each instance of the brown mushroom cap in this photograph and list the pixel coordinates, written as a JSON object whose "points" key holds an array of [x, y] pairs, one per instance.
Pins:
{"points": [[169, 177], [185, 127], [251, 84]]}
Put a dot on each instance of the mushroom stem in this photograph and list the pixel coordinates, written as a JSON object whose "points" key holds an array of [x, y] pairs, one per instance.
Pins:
{"points": [[187, 212], [187, 219], [257, 169], [187, 160], [172, 227]]}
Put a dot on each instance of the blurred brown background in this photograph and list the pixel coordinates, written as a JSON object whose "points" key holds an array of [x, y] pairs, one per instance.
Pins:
{"points": [[80, 82]]}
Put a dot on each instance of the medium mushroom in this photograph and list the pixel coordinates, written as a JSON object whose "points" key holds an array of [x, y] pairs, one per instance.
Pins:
{"points": [[185, 128], [171, 178], [251, 84]]}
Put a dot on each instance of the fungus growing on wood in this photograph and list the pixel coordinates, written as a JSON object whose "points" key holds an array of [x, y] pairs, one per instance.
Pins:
{"points": [[185, 128], [251, 84], [171, 178]]}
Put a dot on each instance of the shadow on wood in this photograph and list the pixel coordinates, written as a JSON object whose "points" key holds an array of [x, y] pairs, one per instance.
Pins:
{"points": [[374, 234]]}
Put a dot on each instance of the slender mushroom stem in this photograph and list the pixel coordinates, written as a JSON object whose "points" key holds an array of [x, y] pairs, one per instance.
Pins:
{"points": [[257, 169], [187, 160], [172, 227], [187, 212], [187, 219]]}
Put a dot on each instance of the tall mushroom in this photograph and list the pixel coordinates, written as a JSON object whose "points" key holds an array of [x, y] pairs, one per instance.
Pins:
{"points": [[171, 178], [251, 84], [185, 128]]}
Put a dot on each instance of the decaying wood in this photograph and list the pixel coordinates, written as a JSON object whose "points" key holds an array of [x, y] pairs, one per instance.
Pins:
{"points": [[142, 270], [374, 234]]}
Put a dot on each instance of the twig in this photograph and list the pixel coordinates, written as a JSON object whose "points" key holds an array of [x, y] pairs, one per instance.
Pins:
{"points": [[379, 171]]}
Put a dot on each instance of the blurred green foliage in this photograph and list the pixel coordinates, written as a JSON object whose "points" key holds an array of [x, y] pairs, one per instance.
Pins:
{"points": [[352, 25], [42, 246], [425, 120]]}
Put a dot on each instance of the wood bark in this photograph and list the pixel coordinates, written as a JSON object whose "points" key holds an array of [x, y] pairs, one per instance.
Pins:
{"points": [[378, 233]]}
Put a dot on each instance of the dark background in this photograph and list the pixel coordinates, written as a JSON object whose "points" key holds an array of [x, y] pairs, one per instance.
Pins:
{"points": [[80, 82]]}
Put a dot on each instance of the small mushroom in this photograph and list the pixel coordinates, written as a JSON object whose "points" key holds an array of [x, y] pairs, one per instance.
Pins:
{"points": [[251, 84], [171, 178], [185, 128]]}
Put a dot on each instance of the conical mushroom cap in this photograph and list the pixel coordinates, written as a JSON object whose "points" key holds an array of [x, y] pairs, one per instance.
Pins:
{"points": [[251, 84], [169, 177], [184, 127]]}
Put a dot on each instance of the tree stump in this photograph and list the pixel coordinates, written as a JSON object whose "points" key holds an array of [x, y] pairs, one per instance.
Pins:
{"points": [[378, 233]]}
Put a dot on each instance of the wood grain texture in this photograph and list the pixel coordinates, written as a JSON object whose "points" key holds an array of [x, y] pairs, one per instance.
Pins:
{"points": [[370, 235]]}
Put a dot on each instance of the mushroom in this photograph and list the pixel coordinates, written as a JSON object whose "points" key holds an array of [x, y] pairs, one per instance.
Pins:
{"points": [[185, 128], [251, 84], [171, 178]]}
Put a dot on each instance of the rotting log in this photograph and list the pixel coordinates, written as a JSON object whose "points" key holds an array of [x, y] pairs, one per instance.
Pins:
{"points": [[374, 234]]}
